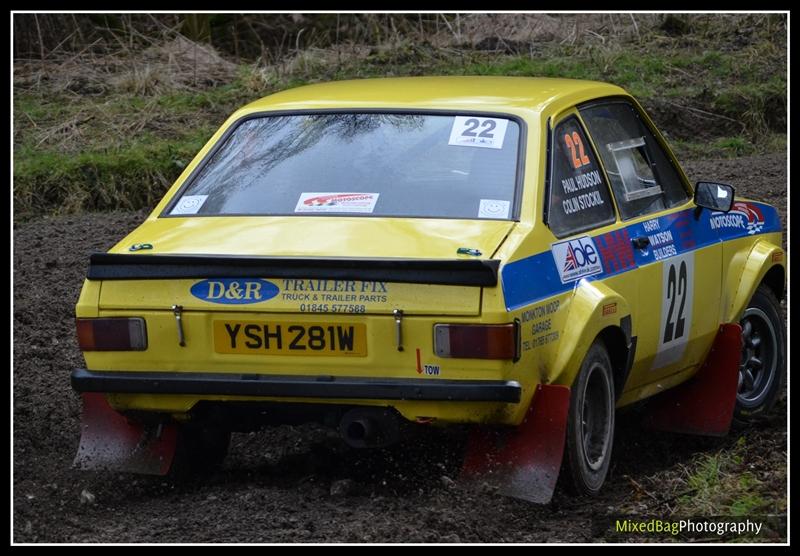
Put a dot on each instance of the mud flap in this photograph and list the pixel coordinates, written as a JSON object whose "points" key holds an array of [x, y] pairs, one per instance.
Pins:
{"points": [[110, 441], [704, 404], [523, 462]]}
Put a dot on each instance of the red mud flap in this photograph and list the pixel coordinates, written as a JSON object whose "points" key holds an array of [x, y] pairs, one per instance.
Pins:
{"points": [[110, 441], [523, 462], [704, 404]]}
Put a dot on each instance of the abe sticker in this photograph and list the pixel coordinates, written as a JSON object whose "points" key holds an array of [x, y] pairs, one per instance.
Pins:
{"points": [[474, 131], [576, 258], [337, 202], [189, 204]]}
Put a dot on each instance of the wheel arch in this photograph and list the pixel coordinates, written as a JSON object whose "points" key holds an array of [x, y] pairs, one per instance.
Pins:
{"points": [[595, 311], [619, 347], [775, 279], [765, 264]]}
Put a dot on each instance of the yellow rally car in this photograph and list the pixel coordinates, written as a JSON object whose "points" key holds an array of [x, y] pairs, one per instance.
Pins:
{"points": [[522, 255]]}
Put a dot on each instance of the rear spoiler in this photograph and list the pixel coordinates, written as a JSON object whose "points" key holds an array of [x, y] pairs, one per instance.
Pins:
{"points": [[456, 272]]}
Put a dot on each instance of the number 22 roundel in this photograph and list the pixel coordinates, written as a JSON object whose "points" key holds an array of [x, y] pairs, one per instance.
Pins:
{"points": [[470, 131], [677, 297]]}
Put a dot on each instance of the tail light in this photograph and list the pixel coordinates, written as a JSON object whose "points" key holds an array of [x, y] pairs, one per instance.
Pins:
{"points": [[112, 334], [476, 341]]}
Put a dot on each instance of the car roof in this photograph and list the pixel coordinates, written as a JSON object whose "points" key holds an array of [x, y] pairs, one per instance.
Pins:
{"points": [[452, 93]]}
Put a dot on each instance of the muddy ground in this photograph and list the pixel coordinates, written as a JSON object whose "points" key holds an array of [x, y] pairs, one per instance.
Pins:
{"points": [[298, 484]]}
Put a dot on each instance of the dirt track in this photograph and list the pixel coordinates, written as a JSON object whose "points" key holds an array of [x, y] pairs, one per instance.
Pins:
{"points": [[276, 486]]}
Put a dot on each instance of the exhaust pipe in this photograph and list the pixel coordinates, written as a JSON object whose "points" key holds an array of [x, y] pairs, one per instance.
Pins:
{"points": [[367, 427]]}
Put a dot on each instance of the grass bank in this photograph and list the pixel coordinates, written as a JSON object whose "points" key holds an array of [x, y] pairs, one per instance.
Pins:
{"points": [[112, 130]]}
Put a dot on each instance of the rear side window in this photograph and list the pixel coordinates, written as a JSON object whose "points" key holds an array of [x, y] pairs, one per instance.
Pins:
{"points": [[579, 197], [641, 174]]}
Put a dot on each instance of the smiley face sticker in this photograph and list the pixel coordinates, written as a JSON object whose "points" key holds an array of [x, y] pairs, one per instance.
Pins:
{"points": [[189, 204], [493, 208]]}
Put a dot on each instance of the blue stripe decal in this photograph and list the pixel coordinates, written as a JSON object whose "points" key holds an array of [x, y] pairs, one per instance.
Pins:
{"points": [[556, 271]]}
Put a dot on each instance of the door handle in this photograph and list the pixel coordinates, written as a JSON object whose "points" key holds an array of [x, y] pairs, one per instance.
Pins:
{"points": [[640, 242]]}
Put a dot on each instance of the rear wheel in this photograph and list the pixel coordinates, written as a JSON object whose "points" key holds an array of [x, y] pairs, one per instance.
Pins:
{"points": [[763, 363], [590, 425]]}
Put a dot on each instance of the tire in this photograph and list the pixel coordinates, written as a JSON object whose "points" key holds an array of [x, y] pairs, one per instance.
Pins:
{"points": [[590, 424], [199, 450], [763, 363]]}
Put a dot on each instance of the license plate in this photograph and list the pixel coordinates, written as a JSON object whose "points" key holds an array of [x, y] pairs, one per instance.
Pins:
{"points": [[290, 338]]}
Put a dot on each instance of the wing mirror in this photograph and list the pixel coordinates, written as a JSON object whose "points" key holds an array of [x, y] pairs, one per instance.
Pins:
{"points": [[714, 196]]}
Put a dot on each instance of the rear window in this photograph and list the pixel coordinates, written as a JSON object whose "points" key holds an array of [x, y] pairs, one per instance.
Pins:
{"points": [[360, 164]]}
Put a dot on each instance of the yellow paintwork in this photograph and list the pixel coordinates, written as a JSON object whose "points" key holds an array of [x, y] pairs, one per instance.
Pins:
{"points": [[415, 298], [750, 261], [731, 271], [297, 236]]}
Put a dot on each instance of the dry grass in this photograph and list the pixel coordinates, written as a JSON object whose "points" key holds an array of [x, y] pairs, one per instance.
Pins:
{"points": [[178, 64]]}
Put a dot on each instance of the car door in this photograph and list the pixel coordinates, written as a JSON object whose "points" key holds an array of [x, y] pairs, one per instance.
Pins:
{"points": [[579, 211], [678, 257]]}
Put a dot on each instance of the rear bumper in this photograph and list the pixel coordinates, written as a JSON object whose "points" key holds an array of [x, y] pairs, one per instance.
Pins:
{"points": [[272, 386]]}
